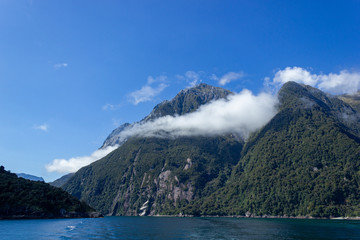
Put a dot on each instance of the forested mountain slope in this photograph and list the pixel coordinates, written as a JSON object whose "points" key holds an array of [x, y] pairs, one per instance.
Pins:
{"points": [[22, 198], [304, 162]]}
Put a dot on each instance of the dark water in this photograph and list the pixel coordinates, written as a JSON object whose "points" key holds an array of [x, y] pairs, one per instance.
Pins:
{"points": [[179, 228]]}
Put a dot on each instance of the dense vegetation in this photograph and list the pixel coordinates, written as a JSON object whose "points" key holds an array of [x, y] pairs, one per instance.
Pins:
{"points": [[22, 198], [304, 162]]}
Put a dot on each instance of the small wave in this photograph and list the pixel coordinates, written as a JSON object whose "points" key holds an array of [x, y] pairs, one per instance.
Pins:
{"points": [[70, 228]]}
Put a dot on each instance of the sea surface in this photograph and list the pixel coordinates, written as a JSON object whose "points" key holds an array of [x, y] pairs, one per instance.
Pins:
{"points": [[179, 228]]}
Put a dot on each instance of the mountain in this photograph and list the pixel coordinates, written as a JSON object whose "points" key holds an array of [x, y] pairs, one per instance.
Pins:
{"points": [[30, 177], [304, 162], [62, 180], [23, 199], [149, 175], [187, 101]]}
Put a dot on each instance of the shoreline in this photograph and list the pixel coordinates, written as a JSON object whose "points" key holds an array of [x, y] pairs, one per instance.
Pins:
{"points": [[70, 215], [265, 216]]}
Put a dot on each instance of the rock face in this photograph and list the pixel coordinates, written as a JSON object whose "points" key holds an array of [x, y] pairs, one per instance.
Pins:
{"points": [[114, 137], [304, 162], [188, 100], [24, 199]]}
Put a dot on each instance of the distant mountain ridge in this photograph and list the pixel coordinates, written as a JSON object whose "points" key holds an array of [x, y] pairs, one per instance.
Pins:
{"points": [[304, 162], [30, 177]]}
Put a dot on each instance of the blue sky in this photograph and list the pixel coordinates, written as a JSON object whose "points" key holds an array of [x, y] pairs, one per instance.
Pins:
{"points": [[71, 71]]}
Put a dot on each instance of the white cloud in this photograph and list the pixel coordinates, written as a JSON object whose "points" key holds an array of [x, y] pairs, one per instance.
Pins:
{"points": [[241, 113], [228, 77], [192, 78], [75, 163], [60, 65], [44, 127], [343, 82], [148, 92], [296, 74]]}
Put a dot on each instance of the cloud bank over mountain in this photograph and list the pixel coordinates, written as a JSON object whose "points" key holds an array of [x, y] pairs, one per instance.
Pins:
{"points": [[241, 113]]}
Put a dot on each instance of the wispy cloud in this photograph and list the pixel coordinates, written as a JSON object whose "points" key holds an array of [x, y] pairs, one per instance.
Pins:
{"points": [[43, 127], [60, 65], [336, 83], [111, 107], [116, 122], [228, 77], [149, 91], [75, 163], [191, 77]]}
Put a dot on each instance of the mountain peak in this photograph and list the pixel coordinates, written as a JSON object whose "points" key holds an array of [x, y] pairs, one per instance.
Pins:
{"points": [[188, 100], [201, 87], [300, 95]]}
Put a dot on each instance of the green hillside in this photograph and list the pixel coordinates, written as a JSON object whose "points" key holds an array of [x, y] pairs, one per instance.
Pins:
{"points": [[21, 198]]}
